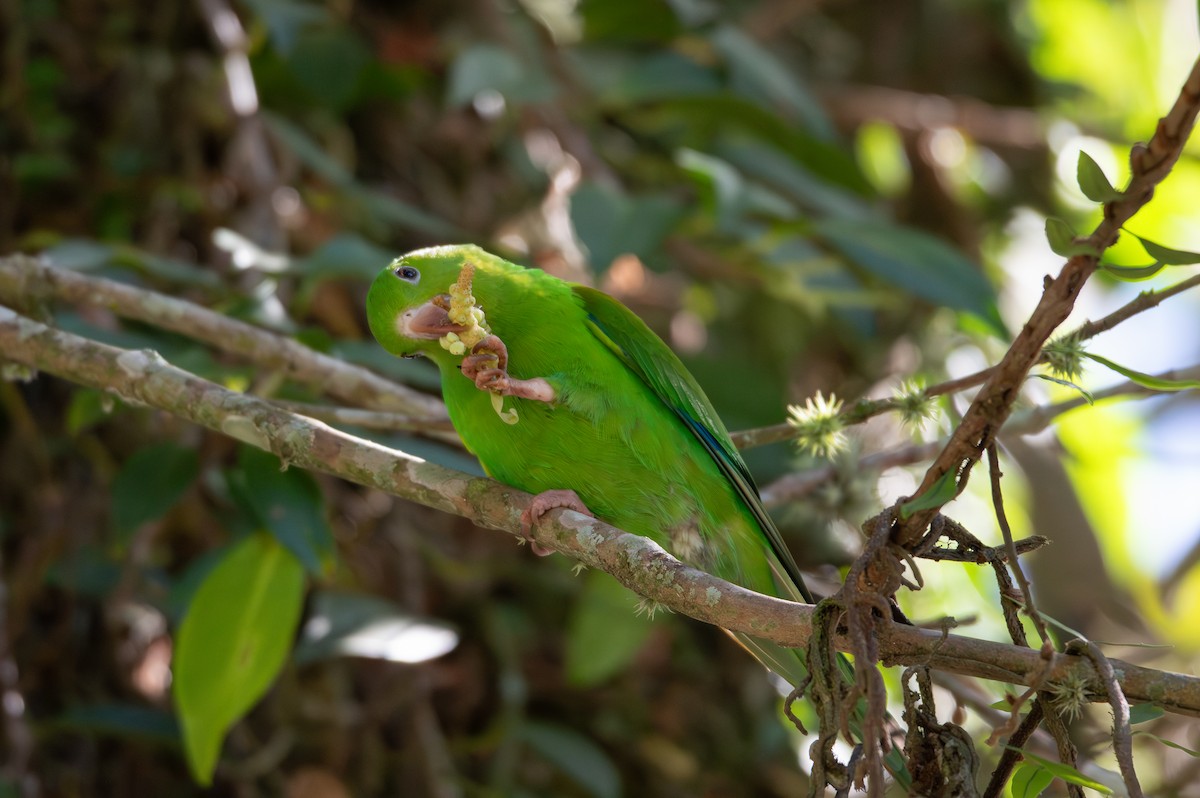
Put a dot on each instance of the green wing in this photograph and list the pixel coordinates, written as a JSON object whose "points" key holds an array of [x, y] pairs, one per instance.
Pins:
{"points": [[619, 329]]}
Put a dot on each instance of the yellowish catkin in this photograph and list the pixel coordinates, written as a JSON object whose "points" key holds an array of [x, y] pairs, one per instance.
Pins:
{"points": [[464, 312]]}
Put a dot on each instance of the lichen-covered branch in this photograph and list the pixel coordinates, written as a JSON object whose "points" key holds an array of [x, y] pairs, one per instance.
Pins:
{"points": [[24, 279], [144, 378]]}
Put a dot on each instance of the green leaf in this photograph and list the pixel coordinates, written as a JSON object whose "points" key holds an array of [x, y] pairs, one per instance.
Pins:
{"points": [[575, 755], [289, 504], [87, 408], [604, 633], [1142, 713], [130, 721], [1029, 781], [1133, 274], [1062, 241], [149, 484], [1064, 772], [345, 255], [233, 642], [939, 493], [328, 61], [489, 67], [342, 624], [1171, 257], [1145, 380], [755, 70], [1171, 744], [1093, 182], [915, 262], [1067, 384], [610, 223]]}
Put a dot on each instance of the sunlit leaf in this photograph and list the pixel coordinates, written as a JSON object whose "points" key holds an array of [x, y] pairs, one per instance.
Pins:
{"points": [[1172, 744], [1171, 257], [1145, 380], [356, 625], [1062, 241], [1133, 274], [149, 484], [938, 494], [604, 634], [232, 643], [575, 755], [1029, 781], [1093, 182], [1066, 384], [1065, 772]]}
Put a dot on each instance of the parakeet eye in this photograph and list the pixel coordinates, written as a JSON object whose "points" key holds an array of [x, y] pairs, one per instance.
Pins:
{"points": [[408, 274]]}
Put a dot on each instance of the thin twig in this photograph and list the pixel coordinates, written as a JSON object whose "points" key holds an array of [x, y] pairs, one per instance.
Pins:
{"points": [[1122, 736], [1142, 302], [1014, 562]]}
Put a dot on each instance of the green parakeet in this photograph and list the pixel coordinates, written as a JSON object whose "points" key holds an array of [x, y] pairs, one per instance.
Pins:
{"points": [[559, 388]]}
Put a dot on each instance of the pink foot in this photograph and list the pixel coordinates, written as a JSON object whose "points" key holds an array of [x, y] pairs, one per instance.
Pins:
{"points": [[543, 503]]}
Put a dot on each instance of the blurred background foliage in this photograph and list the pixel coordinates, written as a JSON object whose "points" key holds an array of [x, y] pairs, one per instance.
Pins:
{"points": [[799, 196]]}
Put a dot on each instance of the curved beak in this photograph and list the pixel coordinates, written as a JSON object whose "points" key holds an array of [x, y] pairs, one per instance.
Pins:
{"points": [[429, 321]]}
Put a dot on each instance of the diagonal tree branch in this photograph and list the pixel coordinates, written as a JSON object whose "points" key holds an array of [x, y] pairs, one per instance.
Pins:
{"points": [[144, 378], [1149, 164]]}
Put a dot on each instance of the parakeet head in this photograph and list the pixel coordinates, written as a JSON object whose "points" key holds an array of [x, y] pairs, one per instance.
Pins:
{"points": [[409, 304]]}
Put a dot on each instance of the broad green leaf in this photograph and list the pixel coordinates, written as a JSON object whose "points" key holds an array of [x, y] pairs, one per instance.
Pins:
{"points": [[1029, 781], [345, 255], [288, 503], [1133, 274], [1142, 713], [342, 624], [1145, 380], [1171, 257], [915, 262], [1093, 182], [287, 19], [149, 484], [1065, 772], [939, 493], [610, 224], [1062, 241], [233, 642], [575, 755], [755, 70], [1171, 744], [1066, 384], [489, 67], [616, 22], [328, 61], [604, 634]]}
